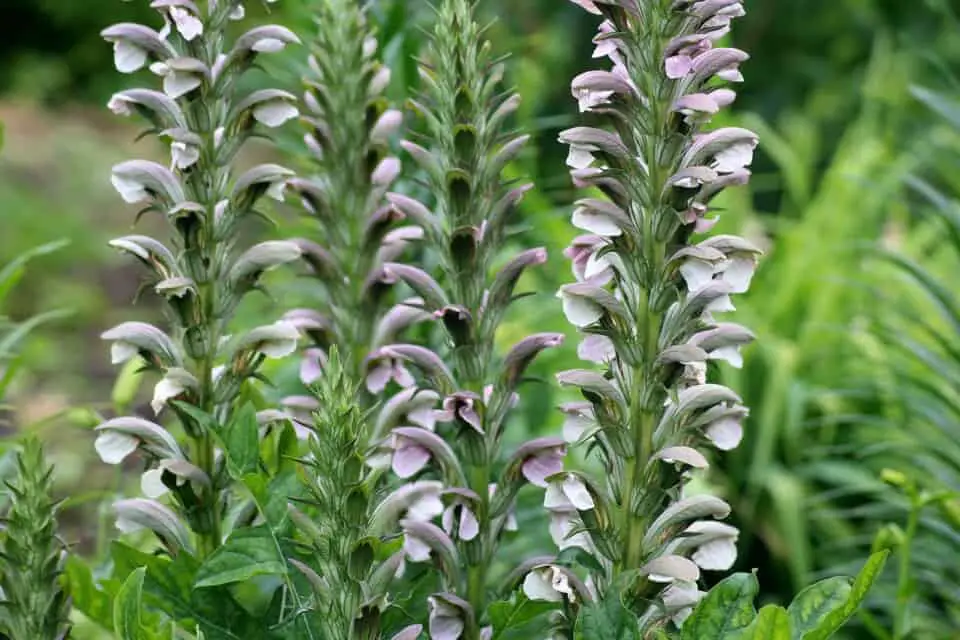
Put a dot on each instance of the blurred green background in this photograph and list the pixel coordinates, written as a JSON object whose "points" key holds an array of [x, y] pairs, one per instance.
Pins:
{"points": [[856, 200]]}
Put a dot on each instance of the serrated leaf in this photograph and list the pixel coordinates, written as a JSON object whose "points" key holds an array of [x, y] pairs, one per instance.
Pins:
{"points": [[86, 596], [816, 602], [725, 611], [607, 620], [127, 607], [858, 592], [168, 587], [772, 623], [241, 442], [248, 552]]}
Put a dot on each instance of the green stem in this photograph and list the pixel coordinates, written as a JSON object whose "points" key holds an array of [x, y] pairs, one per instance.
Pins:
{"points": [[904, 581]]}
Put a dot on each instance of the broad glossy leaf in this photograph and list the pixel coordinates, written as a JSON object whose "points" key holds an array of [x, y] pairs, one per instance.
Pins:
{"points": [[725, 611], [772, 623], [248, 552], [858, 592], [127, 607], [816, 602]]}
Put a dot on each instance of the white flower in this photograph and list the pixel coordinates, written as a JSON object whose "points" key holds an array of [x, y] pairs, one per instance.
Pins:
{"points": [[113, 447], [177, 82], [128, 57], [416, 549], [579, 310], [562, 524], [568, 493], [238, 12], [726, 433], [716, 544], [549, 584], [189, 25], [184, 154], [446, 620], [132, 192], [274, 113]]}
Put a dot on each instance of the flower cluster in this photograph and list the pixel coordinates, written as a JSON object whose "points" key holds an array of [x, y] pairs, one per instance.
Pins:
{"points": [[646, 298], [457, 508], [201, 274], [349, 130]]}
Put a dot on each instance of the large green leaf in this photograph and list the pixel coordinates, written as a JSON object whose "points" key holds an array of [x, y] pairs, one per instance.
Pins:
{"points": [[248, 552], [512, 618], [242, 443], [93, 602], [127, 607], [858, 592], [772, 623], [725, 611], [816, 602]]}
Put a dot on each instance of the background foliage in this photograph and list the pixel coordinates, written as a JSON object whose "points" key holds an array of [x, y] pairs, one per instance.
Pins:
{"points": [[857, 366]]}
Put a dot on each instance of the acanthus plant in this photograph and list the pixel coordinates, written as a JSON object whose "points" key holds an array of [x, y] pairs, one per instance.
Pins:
{"points": [[207, 377], [358, 232], [457, 505], [649, 287]]}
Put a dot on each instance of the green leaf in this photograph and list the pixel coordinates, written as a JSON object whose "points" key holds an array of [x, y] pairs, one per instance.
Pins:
{"points": [[128, 605], [858, 592], [607, 620], [772, 623], [510, 616], [248, 552], [242, 443], [93, 602], [168, 587], [816, 602], [725, 611]]}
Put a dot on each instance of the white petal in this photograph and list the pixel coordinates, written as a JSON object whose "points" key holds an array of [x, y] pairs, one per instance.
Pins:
{"points": [[274, 113], [720, 305], [739, 272], [238, 13], [536, 586], [130, 190], [697, 274], [574, 426], [725, 434], [128, 57], [268, 45], [188, 24], [730, 354], [276, 190], [184, 155], [151, 483], [113, 447], [177, 84], [579, 158], [554, 498], [595, 222], [415, 548], [716, 555], [165, 390], [736, 156], [580, 312], [428, 507], [576, 491]]}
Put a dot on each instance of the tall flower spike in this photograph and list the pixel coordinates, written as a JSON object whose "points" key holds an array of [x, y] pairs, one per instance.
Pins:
{"points": [[203, 274], [462, 155], [647, 292], [349, 128]]}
